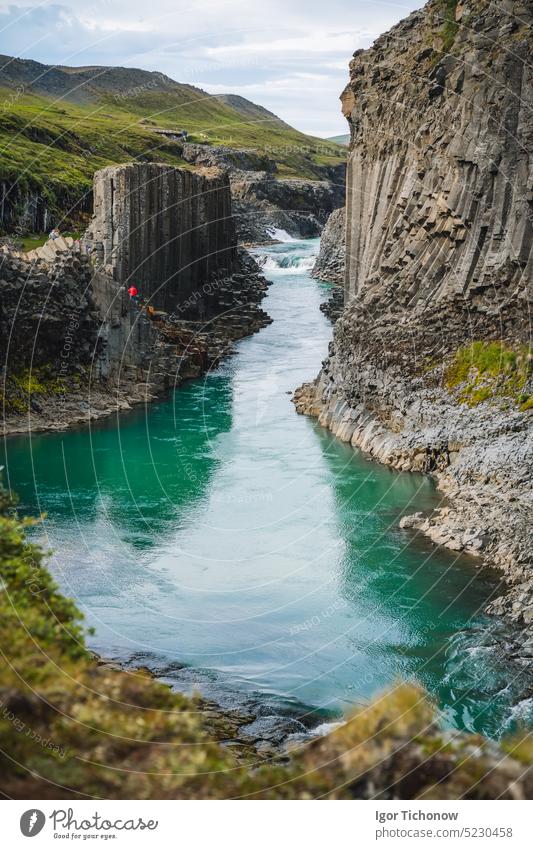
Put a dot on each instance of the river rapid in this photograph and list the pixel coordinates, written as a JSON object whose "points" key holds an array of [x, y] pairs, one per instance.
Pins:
{"points": [[237, 548]]}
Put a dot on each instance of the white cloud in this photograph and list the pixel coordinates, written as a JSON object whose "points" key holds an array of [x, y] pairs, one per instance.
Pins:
{"points": [[291, 57]]}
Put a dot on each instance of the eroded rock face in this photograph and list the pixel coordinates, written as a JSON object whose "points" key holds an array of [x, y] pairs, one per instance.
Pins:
{"points": [[439, 255], [330, 261], [74, 346], [166, 230], [300, 207], [263, 201], [439, 178]]}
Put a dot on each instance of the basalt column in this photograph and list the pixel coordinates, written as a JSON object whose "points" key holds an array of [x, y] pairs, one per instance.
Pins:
{"points": [[439, 173], [166, 230]]}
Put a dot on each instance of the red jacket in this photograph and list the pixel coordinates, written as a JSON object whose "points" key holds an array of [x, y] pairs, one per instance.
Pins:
{"points": [[132, 291]]}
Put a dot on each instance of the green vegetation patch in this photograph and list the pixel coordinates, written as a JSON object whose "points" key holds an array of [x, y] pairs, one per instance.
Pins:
{"points": [[53, 152], [23, 389], [450, 26], [485, 370]]}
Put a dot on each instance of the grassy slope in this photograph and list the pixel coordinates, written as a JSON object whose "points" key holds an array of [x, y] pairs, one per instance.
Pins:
{"points": [[73, 728], [344, 139], [54, 146]]}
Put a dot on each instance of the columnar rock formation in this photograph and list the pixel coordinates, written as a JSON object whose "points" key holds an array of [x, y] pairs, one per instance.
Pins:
{"points": [[330, 262], [439, 178], [74, 347], [167, 230], [439, 273]]}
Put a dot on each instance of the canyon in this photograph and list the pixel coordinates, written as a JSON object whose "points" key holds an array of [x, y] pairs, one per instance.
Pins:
{"points": [[236, 551], [438, 281]]}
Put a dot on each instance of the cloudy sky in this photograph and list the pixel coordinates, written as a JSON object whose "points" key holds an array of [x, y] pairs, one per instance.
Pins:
{"points": [[288, 55]]}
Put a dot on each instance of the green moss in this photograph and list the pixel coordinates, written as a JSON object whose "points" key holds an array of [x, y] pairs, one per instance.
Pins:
{"points": [[22, 387], [35, 240], [450, 26], [485, 370]]}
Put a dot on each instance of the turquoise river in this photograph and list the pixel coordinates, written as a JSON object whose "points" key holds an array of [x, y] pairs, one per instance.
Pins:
{"points": [[234, 546]]}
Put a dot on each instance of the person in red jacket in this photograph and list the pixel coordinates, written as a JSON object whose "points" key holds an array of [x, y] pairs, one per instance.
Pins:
{"points": [[134, 294]]}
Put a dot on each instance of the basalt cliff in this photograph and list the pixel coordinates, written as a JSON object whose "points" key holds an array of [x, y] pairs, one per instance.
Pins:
{"points": [[330, 264], [74, 347], [430, 366]]}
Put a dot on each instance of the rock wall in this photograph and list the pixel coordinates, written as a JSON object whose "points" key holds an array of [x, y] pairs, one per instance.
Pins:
{"points": [[167, 230], [439, 258], [37, 303], [73, 346], [439, 178], [263, 201], [24, 209], [330, 262], [300, 207]]}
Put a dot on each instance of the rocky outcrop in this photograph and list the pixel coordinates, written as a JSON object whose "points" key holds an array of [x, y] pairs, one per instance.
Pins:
{"points": [[74, 346], [330, 262], [227, 158], [263, 203], [25, 208], [439, 270], [439, 180], [167, 230]]}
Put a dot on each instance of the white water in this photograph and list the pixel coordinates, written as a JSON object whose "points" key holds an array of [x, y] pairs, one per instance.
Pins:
{"points": [[289, 257], [281, 235]]}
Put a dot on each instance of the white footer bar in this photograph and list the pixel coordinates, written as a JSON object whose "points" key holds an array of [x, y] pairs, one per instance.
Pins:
{"points": [[265, 824]]}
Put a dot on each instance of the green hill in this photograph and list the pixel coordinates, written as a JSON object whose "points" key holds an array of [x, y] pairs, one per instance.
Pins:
{"points": [[252, 111], [59, 125], [344, 139]]}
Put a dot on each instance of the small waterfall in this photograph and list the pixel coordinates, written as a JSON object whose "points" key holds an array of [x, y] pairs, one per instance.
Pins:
{"points": [[291, 264], [280, 235], [296, 256]]}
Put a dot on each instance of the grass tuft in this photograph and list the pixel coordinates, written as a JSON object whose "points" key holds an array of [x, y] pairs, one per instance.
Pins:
{"points": [[485, 370]]}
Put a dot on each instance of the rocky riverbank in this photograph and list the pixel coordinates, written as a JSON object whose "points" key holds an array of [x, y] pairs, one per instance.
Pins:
{"points": [[430, 365]]}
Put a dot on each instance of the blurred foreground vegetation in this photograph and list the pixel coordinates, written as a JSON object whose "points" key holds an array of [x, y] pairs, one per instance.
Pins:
{"points": [[73, 727]]}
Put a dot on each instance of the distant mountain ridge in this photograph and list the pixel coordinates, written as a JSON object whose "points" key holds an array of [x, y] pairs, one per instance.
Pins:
{"points": [[59, 125], [252, 110], [87, 83]]}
